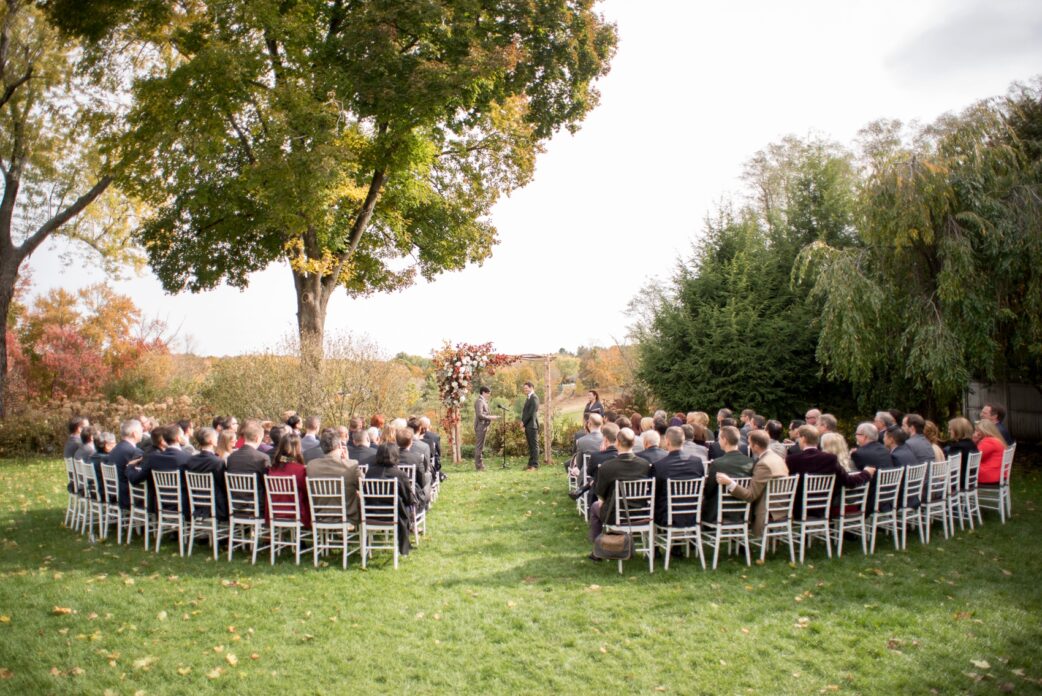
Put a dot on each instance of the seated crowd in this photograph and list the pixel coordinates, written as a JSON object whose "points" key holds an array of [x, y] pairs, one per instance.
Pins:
{"points": [[297, 448], [616, 447]]}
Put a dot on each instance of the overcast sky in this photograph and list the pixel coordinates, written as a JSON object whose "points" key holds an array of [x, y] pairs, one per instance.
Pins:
{"points": [[695, 89]]}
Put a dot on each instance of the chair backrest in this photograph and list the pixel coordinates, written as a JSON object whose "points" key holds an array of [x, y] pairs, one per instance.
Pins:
{"points": [[817, 495], [954, 473], [973, 470], [283, 498], [685, 499], [379, 501], [201, 494], [914, 477], [583, 475], [781, 494], [937, 484], [88, 479], [634, 501], [71, 474], [326, 496], [110, 483], [410, 472], [888, 486], [1007, 463], [168, 489], [728, 506], [243, 497], [138, 495], [854, 500], [363, 469]]}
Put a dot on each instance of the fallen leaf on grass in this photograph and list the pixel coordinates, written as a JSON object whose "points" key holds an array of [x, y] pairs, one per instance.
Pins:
{"points": [[161, 616], [214, 673], [5, 619], [231, 659], [1006, 687], [981, 664], [1019, 671], [77, 671], [254, 656], [511, 604], [894, 643], [5, 673], [802, 622], [593, 588], [604, 650], [184, 671], [218, 648], [145, 663], [62, 611], [55, 672], [745, 631], [960, 615], [1005, 572]]}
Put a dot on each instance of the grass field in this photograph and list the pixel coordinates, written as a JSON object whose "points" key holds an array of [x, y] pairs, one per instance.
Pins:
{"points": [[501, 599]]}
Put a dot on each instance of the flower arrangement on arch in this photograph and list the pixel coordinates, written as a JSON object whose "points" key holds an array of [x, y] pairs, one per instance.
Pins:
{"points": [[457, 367]]}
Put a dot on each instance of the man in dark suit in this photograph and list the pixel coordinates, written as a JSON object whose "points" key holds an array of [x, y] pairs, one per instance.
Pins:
{"points": [[312, 424], [76, 426], [433, 441], [869, 451], [914, 424], [590, 442], [315, 451], [408, 453], [359, 449], [167, 456], [673, 465], [123, 453], [732, 462], [530, 419], [625, 467], [204, 461], [248, 459], [895, 439], [651, 453], [996, 413], [335, 464], [793, 441], [811, 460]]}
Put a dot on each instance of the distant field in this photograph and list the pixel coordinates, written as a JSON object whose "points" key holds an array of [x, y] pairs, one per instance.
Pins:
{"points": [[500, 599]]}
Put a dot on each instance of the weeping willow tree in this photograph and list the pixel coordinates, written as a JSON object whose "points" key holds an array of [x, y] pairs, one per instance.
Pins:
{"points": [[944, 283]]}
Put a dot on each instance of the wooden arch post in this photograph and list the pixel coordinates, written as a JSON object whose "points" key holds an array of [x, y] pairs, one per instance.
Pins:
{"points": [[547, 407]]}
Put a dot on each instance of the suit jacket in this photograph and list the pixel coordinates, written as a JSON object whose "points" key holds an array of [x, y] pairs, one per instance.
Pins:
{"points": [[921, 448], [674, 465], [652, 455], [530, 413], [590, 442], [734, 464], [964, 448], [769, 465], [72, 444], [204, 462], [246, 460], [313, 453], [362, 455], [308, 441], [433, 441], [814, 461], [598, 458], [332, 467], [1006, 434], [423, 473], [716, 451], [873, 454], [482, 415], [693, 449], [166, 460], [123, 452], [624, 467]]}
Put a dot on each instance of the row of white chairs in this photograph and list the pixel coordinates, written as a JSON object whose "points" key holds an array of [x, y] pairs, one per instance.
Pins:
{"points": [[914, 496], [94, 505]]}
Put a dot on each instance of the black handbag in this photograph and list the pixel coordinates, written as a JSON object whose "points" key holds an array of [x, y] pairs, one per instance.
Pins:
{"points": [[613, 547]]}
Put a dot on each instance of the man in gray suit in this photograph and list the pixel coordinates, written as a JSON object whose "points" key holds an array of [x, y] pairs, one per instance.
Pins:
{"points": [[335, 464], [530, 419], [482, 420], [590, 443]]}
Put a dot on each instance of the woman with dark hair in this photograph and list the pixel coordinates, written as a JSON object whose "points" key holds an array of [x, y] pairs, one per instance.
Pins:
{"points": [[593, 405], [288, 460], [293, 422], [385, 466]]}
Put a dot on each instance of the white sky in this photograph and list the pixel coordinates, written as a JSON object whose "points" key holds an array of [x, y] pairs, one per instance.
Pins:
{"points": [[695, 89]]}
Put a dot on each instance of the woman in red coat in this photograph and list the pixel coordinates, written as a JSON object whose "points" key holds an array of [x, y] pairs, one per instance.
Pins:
{"points": [[991, 445], [288, 460]]}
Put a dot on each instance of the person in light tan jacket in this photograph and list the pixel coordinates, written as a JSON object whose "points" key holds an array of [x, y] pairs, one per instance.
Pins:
{"points": [[768, 465]]}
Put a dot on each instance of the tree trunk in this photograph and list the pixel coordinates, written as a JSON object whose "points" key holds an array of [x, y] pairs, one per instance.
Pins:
{"points": [[8, 278], [312, 300]]}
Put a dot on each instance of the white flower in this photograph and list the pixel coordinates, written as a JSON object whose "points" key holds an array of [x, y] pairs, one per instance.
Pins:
{"points": [[462, 398]]}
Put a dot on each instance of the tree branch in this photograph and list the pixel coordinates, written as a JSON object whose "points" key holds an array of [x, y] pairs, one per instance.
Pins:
{"points": [[46, 229], [242, 136], [9, 91]]}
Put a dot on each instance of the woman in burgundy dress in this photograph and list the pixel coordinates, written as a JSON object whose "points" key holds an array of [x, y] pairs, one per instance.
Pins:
{"points": [[288, 460]]}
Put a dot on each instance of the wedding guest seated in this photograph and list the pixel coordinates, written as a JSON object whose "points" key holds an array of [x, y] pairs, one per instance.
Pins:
{"points": [[407, 454], [896, 440], [996, 413], [933, 434], [673, 465], [730, 462], [695, 442], [869, 451], [961, 432], [827, 423], [590, 443], [812, 416], [702, 418], [248, 459], [312, 425], [206, 461], [419, 445], [103, 445], [85, 451], [225, 443], [811, 460], [187, 433], [775, 431], [793, 441], [652, 453], [834, 443], [74, 441], [913, 424], [626, 466], [335, 464], [359, 449], [167, 456], [345, 436], [992, 446], [433, 441], [316, 451], [288, 460], [661, 425], [125, 452], [608, 450], [624, 422], [883, 421], [293, 422], [384, 466], [768, 465], [266, 445]]}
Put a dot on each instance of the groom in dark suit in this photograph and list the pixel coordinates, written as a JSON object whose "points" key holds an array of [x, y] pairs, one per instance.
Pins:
{"points": [[530, 419]]}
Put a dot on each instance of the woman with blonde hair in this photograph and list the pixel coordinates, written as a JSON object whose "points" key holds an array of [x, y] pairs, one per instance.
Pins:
{"points": [[991, 445], [960, 430], [834, 443], [225, 444], [933, 434]]}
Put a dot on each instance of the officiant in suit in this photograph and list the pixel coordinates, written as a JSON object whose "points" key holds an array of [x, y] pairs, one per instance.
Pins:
{"points": [[530, 419], [482, 420]]}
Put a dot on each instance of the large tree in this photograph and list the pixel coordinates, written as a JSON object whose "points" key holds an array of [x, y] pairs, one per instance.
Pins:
{"points": [[362, 142], [51, 120]]}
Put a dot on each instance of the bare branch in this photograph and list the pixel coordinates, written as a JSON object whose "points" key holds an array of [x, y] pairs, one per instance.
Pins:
{"points": [[46, 229]]}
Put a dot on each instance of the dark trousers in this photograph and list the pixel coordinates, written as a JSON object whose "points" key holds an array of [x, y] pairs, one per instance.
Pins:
{"points": [[532, 435], [596, 525]]}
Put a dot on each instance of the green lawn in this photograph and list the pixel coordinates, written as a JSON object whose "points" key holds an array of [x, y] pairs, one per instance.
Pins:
{"points": [[500, 599]]}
